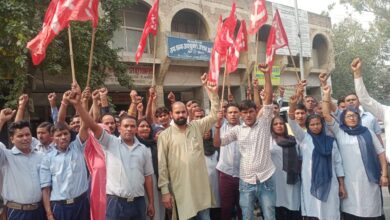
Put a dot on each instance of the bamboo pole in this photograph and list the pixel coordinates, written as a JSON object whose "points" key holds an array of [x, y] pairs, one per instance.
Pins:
{"points": [[223, 84], [154, 61], [71, 56], [91, 56], [295, 67]]}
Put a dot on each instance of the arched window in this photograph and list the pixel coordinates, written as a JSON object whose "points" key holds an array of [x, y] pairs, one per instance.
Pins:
{"points": [[320, 53], [189, 24]]}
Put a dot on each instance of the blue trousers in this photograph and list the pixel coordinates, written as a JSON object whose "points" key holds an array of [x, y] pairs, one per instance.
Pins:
{"points": [[16, 214], [119, 209], [264, 192], [76, 211]]}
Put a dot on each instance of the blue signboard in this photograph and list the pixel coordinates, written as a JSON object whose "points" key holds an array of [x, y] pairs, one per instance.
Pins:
{"points": [[188, 49]]}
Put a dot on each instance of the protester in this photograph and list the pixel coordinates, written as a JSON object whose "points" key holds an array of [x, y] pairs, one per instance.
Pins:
{"points": [[20, 166], [229, 164], [364, 163], [380, 111], [256, 167], [285, 156], [181, 161]]}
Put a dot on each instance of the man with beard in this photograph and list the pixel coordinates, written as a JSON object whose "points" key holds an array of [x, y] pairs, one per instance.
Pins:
{"points": [[181, 161]]}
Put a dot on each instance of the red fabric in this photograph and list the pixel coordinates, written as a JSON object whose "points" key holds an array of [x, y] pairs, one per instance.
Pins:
{"points": [[277, 39], [96, 163], [57, 17], [150, 27], [223, 40], [240, 44], [258, 17]]}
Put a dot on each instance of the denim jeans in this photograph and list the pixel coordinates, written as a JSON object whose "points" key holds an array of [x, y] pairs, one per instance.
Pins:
{"points": [[264, 192], [202, 215]]}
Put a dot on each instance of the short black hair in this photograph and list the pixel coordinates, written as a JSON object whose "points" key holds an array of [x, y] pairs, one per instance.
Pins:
{"points": [[105, 114], [275, 103], [351, 93], [46, 125], [59, 126], [301, 106], [17, 125], [231, 105], [246, 105], [124, 117], [161, 110], [340, 100]]}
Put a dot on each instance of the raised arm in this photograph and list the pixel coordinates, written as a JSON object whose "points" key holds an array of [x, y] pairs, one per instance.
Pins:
{"points": [[105, 107], [256, 94], [206, 123], [326, 103], [85, 97], [53, 106], [217, 131], [22, 103], [323, 77], [95, 105], [140, 111], [268, 84], [151, 106], [74, 99], [5, 116], [63, 107], [368, 103], [135, 99]]}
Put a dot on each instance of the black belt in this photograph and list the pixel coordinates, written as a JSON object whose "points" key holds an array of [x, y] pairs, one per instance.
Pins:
{"points": [[123, 199], [71, 201]]}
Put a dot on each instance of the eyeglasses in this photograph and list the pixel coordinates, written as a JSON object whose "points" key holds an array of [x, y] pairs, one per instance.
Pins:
{"points": [[354, 116], [350, 100]]}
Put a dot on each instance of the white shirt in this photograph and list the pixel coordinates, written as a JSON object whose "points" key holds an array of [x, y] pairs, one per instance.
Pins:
{"points": [[211, 163], [21, 175], [127, 166], [364, 197], [381, 112], [229, 159]]}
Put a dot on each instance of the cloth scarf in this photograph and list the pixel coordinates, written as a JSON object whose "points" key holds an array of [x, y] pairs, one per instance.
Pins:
{"points": [[152, 145], [366, 146], [96, 163], [291, 164], [321, 167]]}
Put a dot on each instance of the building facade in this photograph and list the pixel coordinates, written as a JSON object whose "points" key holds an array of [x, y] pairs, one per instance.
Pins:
{"points": [[186, 31]]}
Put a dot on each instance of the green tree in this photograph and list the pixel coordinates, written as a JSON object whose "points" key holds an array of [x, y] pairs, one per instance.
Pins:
{"points": [[21, 20], [376, 75]]}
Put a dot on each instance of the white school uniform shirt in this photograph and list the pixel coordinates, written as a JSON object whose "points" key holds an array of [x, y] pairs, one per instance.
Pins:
{"points": [[310, 205]]}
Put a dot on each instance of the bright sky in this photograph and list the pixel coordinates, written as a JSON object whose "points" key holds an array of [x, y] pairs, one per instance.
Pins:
{"points": [[337, 14]]}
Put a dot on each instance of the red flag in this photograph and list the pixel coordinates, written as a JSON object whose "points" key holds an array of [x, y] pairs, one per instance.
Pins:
{"points": [[150, 27], [57, 17], [223, 40], [277, 39], [240, 44], [259, 16], [96, 163]]}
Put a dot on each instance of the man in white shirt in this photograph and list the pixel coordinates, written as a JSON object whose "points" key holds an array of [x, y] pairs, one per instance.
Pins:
{"points": [[381, 112]]}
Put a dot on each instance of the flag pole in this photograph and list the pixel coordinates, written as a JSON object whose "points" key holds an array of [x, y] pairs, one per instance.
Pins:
{"points": [[91, 56], [223, 84], [154, 60], [295, 67], [71, 55], [256, 64]]}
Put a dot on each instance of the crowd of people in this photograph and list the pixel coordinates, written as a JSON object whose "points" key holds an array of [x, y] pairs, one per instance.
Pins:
{"points": [[327, 161]]}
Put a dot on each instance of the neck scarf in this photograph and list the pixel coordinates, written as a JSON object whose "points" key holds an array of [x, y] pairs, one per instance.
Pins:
{"points": [[321, 167], [366, 146], [290, 157]]}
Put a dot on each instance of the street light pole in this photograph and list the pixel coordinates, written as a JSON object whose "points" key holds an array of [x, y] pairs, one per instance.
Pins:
{"points": [[300, 42]]}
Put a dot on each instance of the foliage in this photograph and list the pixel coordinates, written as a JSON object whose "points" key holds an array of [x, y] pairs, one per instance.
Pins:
{"points": [[351, 40], [21, 20]]}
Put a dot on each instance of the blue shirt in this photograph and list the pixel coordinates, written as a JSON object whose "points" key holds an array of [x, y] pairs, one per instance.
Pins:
{"points": [[21, 175], [65, 172], [127, 166]]}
